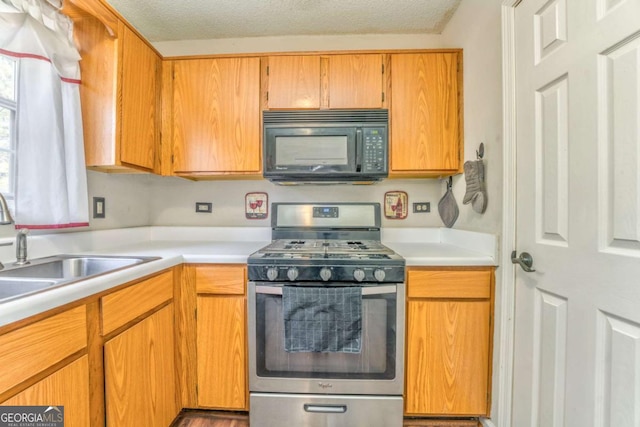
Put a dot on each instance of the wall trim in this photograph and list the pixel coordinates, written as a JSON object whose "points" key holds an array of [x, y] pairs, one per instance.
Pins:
{"points": [[504, 397]]}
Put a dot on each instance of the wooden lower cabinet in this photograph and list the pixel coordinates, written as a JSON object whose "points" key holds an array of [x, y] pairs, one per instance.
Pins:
{"points": [[43, 365], [140, 384], [68, 387], [221, 337], [449, 342]]}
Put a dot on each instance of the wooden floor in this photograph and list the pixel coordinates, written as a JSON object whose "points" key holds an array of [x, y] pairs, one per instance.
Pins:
{"points": [[192, 418]]}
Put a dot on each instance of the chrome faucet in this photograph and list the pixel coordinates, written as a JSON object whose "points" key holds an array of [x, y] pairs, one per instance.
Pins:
{"points": [[21, 247], [5, 215], [5, 219]]}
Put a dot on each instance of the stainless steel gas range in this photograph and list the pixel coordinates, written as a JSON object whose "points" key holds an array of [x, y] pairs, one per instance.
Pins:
{"points": [[326, 320]]}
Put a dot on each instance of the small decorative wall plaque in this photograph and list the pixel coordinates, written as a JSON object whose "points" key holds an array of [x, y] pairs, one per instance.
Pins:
{"points": [[396, 204], [256, 205]]}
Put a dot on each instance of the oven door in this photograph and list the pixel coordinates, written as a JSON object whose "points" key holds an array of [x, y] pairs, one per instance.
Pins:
{"points": [[376, 370]]}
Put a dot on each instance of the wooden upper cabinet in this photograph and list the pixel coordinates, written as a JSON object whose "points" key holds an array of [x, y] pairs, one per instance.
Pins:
{"points": [[355, 81], [216, 116], [294, 82], [425, 114], [325, 81], [120, 94], [140, 99]]}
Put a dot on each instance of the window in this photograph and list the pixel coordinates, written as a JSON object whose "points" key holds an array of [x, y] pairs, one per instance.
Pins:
{"points": [[8, 137]]}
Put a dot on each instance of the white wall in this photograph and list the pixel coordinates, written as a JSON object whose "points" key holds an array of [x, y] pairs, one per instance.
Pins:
{"points": [[127, 199], [127, 203], [475, 28], [298, 44], [173, 200]]}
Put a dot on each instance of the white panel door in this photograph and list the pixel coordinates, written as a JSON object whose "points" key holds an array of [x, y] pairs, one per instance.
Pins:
{"points": [[577, 324]]}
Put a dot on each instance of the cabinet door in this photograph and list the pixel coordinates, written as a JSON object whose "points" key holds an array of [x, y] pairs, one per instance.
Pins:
{"points": [[139, 101], [448, 354], [317, 81], [425, 113], [355, 81], [216, 116], [221, 336], [447, 357], [294, 82], [140, 384], [68, 387], [221, 348]]}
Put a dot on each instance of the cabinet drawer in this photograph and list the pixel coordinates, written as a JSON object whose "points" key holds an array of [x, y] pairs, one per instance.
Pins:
{"points": [[123, 306], [449, 284], [221, 279], [36, 347]]}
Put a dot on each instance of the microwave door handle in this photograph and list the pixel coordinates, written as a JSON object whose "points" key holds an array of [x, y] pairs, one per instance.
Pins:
{"points": [[358, 150]]}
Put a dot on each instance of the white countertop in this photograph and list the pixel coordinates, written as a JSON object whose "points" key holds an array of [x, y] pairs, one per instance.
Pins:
{"points": [[177, 245]]}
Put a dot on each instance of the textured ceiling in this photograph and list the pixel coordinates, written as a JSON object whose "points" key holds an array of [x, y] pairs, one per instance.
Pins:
{"points": [[166, 20]]}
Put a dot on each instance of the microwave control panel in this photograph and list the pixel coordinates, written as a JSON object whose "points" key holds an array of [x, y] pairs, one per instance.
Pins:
{"points": [[374, 150]]}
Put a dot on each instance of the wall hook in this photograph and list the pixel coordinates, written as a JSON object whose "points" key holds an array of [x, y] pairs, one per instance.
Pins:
{"points": [[480, 151]]}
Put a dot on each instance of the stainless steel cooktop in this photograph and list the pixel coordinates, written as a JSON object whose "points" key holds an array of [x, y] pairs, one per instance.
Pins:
{"points": [[337, 242]]}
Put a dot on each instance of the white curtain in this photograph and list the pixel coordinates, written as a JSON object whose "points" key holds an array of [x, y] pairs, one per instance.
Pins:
{"points": [[51, 179]]}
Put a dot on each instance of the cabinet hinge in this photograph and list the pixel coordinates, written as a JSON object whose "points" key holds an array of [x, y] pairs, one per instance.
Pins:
{"points": [[172, 157], [267, 70], [267, 96], [382, 96], [382, 68]]}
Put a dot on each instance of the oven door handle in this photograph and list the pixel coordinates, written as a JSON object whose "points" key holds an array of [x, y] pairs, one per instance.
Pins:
{"points": [[325, 409], [370, 290]]}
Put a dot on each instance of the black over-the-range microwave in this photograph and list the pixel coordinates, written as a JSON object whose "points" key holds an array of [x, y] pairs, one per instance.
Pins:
{"points": [[326, 146]]}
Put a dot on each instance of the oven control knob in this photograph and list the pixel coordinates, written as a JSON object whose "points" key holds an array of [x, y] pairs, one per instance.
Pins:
{"points": [[272, 273], [325, 273], [358, 274], [379, 275], [292, 273]]}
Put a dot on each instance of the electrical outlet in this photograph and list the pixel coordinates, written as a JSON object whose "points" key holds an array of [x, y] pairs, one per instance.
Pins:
{"points": [[421, 207], [99, 207], [204, 207]]}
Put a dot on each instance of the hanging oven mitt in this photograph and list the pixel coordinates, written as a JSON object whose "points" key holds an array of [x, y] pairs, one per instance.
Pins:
{"points": [[476, 193], [447, 207]]}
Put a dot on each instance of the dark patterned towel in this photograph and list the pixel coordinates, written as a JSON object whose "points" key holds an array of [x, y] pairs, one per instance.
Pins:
{"points": [[322, 319]]}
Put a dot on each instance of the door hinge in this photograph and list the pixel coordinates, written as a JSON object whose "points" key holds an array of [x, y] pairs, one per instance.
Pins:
{"points": [[382, 68], [267, 70], [267, 96], [382, 96], [172, 158]]}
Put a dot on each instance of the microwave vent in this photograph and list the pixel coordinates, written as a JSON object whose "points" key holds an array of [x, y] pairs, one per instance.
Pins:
{"points": [[325, 116]]}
